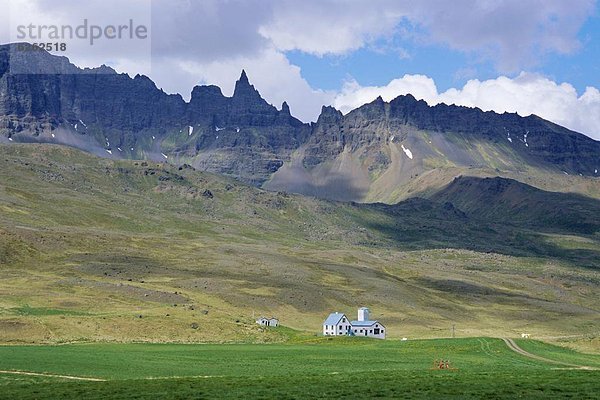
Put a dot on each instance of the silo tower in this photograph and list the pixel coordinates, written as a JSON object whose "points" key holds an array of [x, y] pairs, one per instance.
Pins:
{"points": [[363, 314]]}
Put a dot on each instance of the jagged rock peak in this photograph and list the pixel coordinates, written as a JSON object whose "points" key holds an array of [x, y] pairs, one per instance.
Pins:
{"points": [[285, 108], [330, 110], [103, 69], [144, 80], [378, 104], [207, 90], [406, 99], [243, 86], [244, 77], [329, 113]]}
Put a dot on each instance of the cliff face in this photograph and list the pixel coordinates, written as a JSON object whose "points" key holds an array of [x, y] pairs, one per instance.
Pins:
{"points": [[389, 151], [530, 137], [379, 152], [243, 136], [95, 102], [372, 125]]}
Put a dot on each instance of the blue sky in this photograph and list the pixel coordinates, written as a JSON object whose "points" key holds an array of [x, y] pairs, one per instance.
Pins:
{"points": [[377, 64], [581, 68], [526, 56]]}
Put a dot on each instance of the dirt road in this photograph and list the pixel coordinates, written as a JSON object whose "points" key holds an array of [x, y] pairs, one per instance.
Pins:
{"points": [[514, 347], [77, 378]]}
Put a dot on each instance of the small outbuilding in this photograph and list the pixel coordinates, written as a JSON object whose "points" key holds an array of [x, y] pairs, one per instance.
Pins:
{"points": [[263, 321]]}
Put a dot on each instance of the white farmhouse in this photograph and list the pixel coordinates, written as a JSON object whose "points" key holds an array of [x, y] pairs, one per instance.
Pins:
{"points": [[338, 324]]}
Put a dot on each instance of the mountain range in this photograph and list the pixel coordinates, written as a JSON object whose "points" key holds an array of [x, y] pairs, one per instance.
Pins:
{"points": [[380, 152]]}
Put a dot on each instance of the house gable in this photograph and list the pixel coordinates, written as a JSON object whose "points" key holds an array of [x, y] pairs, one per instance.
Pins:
{"points": [[334, 318]]}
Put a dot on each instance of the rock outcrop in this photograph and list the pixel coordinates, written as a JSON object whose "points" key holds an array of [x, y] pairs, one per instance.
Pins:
{"points": [[242, 135]]}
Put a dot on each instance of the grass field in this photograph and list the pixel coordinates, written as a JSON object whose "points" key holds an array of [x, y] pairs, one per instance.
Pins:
{"points": [[338, 368]]}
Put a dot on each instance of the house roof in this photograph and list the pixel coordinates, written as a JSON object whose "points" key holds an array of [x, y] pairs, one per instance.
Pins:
{"points": [[365, 323], [334, 318]]}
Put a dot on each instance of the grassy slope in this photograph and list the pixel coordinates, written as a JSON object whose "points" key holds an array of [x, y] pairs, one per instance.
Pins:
{"points": [[94, 249], [483, 368], [511, 202]]}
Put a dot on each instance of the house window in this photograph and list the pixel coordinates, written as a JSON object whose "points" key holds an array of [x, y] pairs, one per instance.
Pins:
{"points": [[376, 331], [370, 330]]}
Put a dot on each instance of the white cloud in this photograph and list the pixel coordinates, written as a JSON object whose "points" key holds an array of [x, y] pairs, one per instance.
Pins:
{"points": [[512, 33], [61, 23], [208, 30], [526, 94], [330, 26]]}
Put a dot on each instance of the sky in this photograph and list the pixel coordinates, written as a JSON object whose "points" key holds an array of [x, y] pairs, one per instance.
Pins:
{"points": [[526, 56]]}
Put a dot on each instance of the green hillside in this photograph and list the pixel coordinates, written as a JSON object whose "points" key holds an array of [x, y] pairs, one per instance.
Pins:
{"points": [[511, 202], [106, 250]]}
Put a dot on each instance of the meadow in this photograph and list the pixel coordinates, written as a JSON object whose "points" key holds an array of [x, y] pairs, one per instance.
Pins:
{"points": [[303, 368]]}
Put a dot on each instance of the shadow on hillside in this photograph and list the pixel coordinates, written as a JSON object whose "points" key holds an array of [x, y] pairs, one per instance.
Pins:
{"points": [[336, 186], [420, 224]]}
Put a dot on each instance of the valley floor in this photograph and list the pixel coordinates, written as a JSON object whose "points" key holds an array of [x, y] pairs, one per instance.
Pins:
{"points": [[318, 367]]}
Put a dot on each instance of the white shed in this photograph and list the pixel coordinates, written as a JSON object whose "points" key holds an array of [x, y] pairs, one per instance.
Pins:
{"points": [[263, 321]]}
